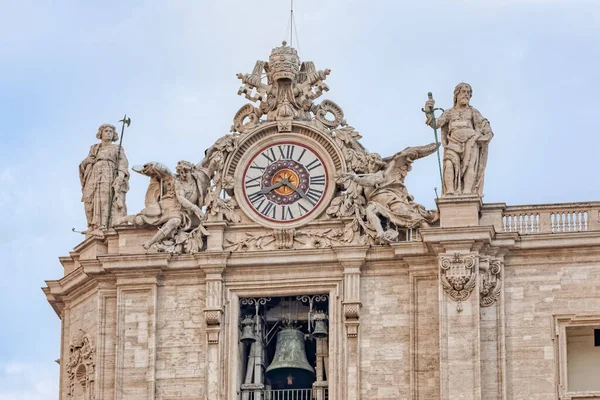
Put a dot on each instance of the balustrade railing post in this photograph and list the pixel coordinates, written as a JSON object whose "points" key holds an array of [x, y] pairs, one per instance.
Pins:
{"points": [[594, 219], [545, 222]]}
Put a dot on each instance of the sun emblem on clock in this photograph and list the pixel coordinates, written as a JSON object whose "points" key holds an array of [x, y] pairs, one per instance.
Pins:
{"points": [[284, 182]]}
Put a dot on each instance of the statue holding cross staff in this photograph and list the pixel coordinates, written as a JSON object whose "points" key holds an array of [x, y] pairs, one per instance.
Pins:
{"points": [[465, 136]]}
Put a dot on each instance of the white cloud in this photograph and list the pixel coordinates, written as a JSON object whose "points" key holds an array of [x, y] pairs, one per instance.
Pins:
{"points": [[20, 381]]}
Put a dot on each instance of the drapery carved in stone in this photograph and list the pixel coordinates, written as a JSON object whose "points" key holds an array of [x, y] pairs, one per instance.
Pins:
{"points": [[104, 180], [458, 276], [491, 283], [81, 367], [465, 135]]}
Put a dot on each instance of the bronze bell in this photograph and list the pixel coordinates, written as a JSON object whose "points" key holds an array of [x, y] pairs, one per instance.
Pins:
{"points": [[290, 368], [248, 336], [320, 330]]}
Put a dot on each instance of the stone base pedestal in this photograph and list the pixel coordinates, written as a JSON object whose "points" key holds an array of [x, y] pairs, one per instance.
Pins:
{"points": [[216, 231], [459, 211]]}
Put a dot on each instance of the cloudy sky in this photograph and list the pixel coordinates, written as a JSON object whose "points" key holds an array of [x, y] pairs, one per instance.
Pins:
{"points": [[69, 66]]}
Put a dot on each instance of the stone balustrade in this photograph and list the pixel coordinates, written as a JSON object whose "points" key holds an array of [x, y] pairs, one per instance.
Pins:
{"points": [[550, 218]]}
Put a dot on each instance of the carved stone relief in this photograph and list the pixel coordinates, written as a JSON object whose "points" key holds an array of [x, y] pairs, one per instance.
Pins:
{"points": [[81, 367], [374, 190], [285, 239], [490, 283], [367, 192], [458, 276], [286, 95]]}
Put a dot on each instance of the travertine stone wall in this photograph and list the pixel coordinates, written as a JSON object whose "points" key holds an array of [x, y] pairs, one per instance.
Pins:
{"points": [[537, 288], [385, 332], [492, 350], [82, 314], [425, 336], [149, 338], [395, 331], [180, 338], [136, 341], [106, 350]]}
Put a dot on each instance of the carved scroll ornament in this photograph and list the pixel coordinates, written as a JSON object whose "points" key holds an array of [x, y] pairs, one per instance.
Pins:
{"points": [[491, 283]]}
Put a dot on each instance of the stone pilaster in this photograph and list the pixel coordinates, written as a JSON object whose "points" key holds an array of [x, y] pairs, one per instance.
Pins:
{"points": [[135, 357], [352, 260], [492, 325], [460, 370], [213, 268], [424, 327], [106, 341]]}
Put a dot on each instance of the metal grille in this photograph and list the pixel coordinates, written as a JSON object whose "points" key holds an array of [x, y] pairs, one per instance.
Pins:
{"points": [[286, 394]]}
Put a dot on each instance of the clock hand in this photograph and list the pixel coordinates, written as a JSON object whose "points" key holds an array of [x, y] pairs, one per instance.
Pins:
{"points": [[267, 189], [295, 189]]}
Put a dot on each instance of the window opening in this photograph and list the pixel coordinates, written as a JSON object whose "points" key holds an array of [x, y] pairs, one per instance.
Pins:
{"points": [[284, 343]]}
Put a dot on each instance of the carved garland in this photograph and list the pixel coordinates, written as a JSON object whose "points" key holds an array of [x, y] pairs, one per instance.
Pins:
{"points": [[286, 239], [458, 276], [81, 365]]}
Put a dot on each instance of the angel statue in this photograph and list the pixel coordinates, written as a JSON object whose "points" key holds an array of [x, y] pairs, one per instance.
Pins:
{"points": [[104, 168], [386, 195], [173, 202]]}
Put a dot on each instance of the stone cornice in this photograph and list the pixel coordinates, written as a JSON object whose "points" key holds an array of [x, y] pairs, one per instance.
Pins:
{"points": [[483, 234], [558, 240], [560, 256], [134, 261], [87, 243], [402, 249], [282, 257], [351, 257]]}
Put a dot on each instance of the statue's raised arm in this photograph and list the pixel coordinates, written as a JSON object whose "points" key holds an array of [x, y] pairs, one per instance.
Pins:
{"points": [[387, 196]]}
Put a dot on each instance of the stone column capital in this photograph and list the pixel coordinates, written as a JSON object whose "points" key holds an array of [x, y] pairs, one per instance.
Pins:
{"points": [[351, 258]]}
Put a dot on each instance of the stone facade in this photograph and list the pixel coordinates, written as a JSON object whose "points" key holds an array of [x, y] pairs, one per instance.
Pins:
{"points": [[470, 301]]}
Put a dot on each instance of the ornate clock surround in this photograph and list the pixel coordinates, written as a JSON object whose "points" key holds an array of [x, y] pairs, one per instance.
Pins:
{"points": [[266, 135]]}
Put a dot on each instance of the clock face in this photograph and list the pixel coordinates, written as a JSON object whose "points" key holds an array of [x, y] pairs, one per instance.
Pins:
{"points": [[284, 182]]}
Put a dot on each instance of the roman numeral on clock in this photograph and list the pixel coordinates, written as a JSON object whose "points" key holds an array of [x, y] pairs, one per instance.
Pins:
{"points": [[314, 195], [269, 210], [254, 182], [286, 213], [256, 198], [301, 155], [301, 207], [269, 152], [286, 151], [313, 164], [256, 166], [318, 180]]}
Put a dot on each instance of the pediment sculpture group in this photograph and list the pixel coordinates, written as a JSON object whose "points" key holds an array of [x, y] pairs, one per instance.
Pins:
{"points": [[370, 196]]}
